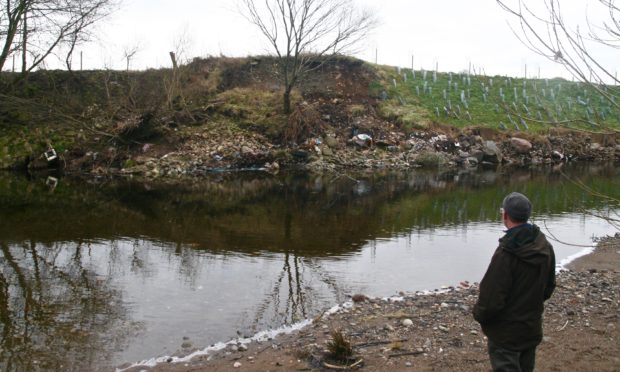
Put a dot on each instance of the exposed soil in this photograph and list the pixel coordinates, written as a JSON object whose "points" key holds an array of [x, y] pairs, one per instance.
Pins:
{"points": [[226, 114], [436, 331]]}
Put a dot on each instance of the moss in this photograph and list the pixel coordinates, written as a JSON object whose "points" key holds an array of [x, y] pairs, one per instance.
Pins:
{"points": [[409, 116], [356, 110]]}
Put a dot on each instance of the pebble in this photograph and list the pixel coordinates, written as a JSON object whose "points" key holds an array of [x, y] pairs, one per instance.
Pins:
{"points": [[407, 322], [408, 364], [237, 365], [243, 347]]}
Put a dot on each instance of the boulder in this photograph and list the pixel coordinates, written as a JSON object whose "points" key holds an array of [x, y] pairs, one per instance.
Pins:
{"points": [[595, 146], [520, 145], [492, 153], [477, 154]]}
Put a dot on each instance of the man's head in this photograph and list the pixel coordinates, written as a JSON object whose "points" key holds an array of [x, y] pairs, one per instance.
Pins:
{"points": [[517, 209]]}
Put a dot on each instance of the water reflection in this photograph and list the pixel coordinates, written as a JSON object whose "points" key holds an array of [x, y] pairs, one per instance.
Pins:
{"points": [[51, 305], [107, 271]]}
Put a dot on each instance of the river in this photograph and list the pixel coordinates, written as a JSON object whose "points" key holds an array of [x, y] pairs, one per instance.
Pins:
{"points": [[99, 272]]}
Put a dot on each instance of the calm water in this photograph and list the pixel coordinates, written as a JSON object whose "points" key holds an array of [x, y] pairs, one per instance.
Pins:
{"points": [[100, 272]]}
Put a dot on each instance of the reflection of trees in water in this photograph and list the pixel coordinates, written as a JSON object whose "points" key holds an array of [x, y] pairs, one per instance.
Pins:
{"points": [[55, 313], [291, 299]]}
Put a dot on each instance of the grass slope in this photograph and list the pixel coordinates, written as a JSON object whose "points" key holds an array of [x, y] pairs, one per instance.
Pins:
{"points": [[417, 98]]}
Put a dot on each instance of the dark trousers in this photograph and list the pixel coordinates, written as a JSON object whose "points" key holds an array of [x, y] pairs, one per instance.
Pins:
{"points": [[503, 360]]}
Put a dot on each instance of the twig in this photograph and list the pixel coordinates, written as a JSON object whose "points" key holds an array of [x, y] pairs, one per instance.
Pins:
{"points": [[405, 354], [553, 237], [375, 343], [342, 368], [586, 188], [564, 326]]}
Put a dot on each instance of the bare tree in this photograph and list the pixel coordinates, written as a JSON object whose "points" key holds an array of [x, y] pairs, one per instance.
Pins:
{"points": [[38, 28], [130, 51], [303, 32], [548, 34]]}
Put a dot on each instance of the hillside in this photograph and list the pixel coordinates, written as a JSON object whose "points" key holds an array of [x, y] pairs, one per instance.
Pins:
{"points": [[225, 113]]}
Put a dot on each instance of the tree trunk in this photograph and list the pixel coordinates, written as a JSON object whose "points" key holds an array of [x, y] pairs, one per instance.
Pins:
{"points": [[24, 43], [287, 101]]}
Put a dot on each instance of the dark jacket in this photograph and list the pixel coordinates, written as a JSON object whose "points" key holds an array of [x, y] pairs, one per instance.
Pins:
{"points": [[520, 277]]}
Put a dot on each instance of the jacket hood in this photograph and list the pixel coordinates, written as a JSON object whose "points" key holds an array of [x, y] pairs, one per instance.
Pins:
{"points": [[527, 243]]}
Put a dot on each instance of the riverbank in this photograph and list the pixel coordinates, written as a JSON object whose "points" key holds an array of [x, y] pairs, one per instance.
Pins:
{"points": [[223, 114], [435, 331]]}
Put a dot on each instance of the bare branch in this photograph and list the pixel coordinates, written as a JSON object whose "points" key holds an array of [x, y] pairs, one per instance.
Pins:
{"points": [[310, 30]]}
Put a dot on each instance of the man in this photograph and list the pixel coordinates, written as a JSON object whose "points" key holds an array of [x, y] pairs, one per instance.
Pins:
{"points": [[520, 277]]}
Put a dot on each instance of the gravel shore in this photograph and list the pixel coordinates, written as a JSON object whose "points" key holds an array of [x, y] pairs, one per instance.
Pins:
{"points": [[436, 332]]}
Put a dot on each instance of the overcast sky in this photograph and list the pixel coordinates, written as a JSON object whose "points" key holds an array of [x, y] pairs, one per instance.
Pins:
{"points": [[452, 33]]}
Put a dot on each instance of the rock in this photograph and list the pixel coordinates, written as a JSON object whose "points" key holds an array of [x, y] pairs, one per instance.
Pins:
{"points": [[186, 345], [520, 145], [237, 365], [327, 151], [246, 151], [492, 153], [443, 328], [388, 327], [595, 146], [331, 141], [243, 347], [431, 159], [463, 154], [556, 155], [477, 154], [407, 322]]}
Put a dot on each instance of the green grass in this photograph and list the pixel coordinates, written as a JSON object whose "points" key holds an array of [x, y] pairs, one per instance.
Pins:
{"points": [[550, 103]]}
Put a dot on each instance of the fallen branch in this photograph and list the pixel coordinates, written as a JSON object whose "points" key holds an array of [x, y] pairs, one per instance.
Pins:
{"points": [[343, 368], [405, 354], [399, 315], [375, 343]]}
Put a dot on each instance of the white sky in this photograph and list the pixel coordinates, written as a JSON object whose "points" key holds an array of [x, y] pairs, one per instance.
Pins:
{"points": [[450, 32]]}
